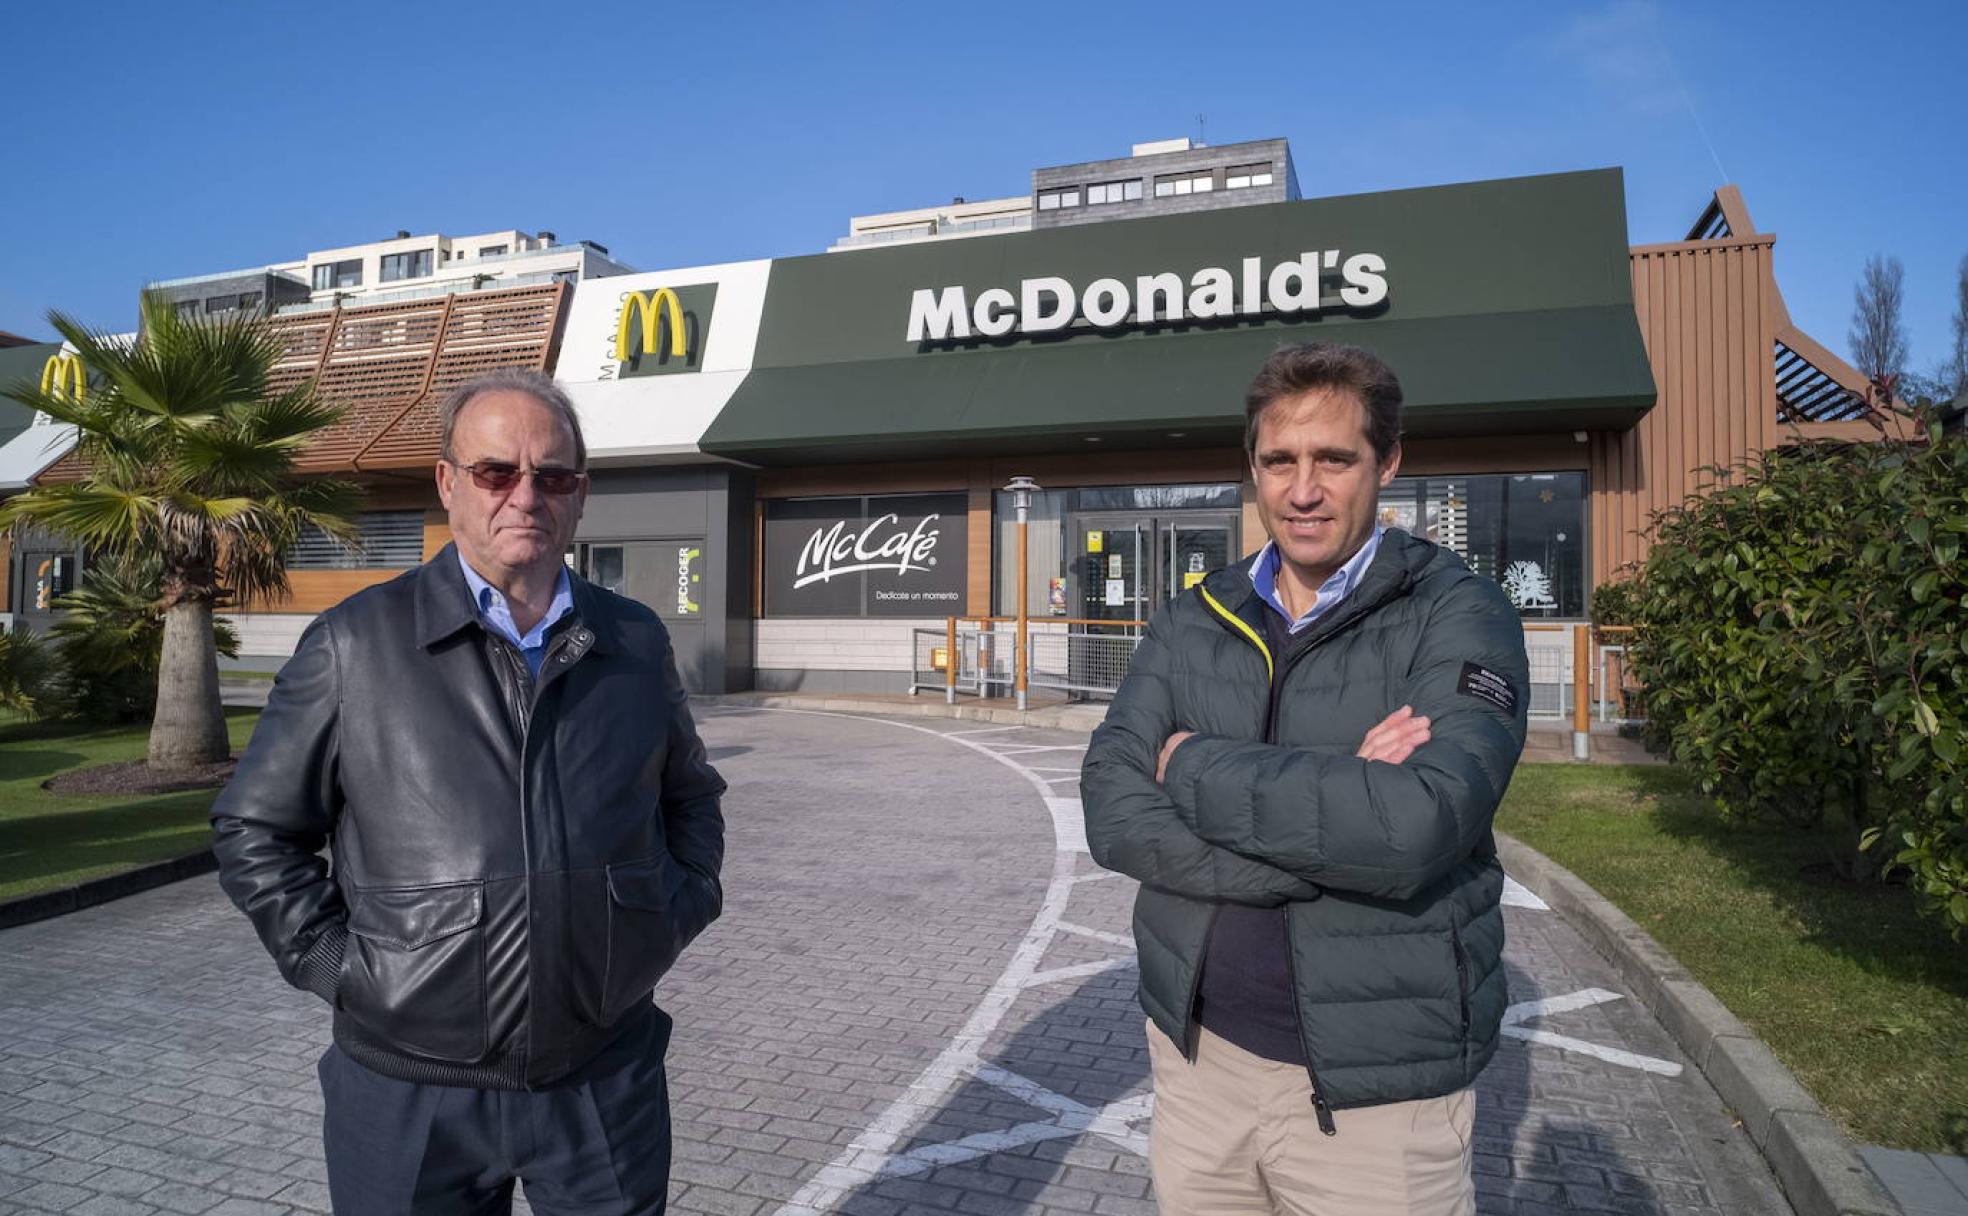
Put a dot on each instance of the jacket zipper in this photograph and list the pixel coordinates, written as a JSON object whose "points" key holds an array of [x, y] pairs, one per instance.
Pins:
{"points": [[1321, 1109], [1462, 980]]}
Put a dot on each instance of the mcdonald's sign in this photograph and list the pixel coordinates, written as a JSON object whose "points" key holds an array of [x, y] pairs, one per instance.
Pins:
{"points": [[64, 377], [662, 331]]}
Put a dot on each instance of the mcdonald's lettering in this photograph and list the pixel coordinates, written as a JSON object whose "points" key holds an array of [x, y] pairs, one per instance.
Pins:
{"points": [[64, 378]]}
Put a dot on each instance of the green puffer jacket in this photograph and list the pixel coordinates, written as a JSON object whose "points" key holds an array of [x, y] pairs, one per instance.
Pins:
{"points": [[1388, 871]]}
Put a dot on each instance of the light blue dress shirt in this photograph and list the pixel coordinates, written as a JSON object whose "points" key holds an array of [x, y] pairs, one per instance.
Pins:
{"points": [[1264, 574], [496, 612]]}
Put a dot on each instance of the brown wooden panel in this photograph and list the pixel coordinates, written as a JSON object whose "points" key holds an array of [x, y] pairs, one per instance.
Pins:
{"points": [[978, 543], [320, 590]]}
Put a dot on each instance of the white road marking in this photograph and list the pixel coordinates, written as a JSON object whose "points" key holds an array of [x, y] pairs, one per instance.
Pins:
{"points": [[1068, 824], [1098, 875], [1517, 895], [1571, 1002], [1099, 935], [1021, 749], [1516, 1015], [1080, 971], [872, 1154]]}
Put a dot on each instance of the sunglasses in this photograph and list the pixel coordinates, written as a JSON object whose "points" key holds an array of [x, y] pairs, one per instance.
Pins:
{"points": [[497, 477]]}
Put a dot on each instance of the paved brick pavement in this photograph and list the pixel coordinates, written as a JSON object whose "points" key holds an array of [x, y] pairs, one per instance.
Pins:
{"points": [[915, 1002]]}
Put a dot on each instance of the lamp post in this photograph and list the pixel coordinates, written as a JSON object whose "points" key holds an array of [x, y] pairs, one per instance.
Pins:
{"points": [[1021, 497]]}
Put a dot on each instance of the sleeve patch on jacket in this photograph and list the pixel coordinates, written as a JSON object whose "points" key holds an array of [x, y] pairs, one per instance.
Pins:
{"points": [[1486, 685]]}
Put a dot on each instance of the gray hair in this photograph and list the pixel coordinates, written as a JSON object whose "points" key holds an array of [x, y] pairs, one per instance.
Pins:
{"points": [[537, 385]]}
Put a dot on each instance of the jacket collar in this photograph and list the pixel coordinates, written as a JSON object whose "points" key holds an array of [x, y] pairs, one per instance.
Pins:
{"points": [[444, 604], [1393, 570]]}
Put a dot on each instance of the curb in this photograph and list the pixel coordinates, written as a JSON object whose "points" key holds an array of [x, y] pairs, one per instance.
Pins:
{"points": [[30, 908], [1820, 1172]]}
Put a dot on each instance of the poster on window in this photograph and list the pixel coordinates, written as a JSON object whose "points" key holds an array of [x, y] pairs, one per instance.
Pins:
{"points": [[873, 555]]}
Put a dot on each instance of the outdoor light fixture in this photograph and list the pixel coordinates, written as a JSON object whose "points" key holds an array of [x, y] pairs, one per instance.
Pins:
{"points": [[1020, 489]]}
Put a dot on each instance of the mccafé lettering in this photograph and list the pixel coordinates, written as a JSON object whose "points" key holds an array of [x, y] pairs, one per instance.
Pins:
{"points": [[901, 551], [1049, 303]]}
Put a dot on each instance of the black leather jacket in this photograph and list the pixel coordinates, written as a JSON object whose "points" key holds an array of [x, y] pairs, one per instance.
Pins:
{"points": [[517, 861]]}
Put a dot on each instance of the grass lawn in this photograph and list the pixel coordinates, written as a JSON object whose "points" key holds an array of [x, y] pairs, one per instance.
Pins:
{"points": [[1865, 1001], [47, 842]]}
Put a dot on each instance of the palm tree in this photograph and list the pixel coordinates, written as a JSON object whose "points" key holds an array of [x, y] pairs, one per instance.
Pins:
{"points": [[190, 457]]}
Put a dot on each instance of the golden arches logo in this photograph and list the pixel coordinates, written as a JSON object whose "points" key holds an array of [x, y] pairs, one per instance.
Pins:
{"points": [[652, 308], [63, 377]]}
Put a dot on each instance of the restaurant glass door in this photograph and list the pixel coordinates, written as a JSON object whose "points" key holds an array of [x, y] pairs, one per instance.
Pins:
{"points": [[1131, 564]]}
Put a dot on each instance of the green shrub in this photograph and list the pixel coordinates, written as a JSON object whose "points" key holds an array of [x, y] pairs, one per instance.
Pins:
{"points": [[1800, 636], [27, 672], [109, 640]]}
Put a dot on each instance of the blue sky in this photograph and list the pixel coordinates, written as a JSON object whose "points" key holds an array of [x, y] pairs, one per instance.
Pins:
{"points": [[160, 140]]}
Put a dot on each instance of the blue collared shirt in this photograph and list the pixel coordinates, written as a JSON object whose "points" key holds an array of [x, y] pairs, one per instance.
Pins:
{"points": [[1264, 574], [497, 614]]}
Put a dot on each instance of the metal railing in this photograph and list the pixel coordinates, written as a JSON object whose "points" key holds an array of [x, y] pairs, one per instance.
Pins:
{"points": [[1587, 679], [977, 656]]}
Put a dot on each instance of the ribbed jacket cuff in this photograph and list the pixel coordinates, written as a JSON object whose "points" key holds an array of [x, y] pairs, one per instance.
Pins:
{"points": [[320, 971]]}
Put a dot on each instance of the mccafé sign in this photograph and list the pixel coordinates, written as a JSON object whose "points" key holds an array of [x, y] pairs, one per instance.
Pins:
{"points": [[868, 555], [1314, 282], [64, 378]]}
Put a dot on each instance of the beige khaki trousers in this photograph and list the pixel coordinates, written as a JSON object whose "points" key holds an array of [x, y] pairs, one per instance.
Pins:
{"points": [[1235, 1133]]}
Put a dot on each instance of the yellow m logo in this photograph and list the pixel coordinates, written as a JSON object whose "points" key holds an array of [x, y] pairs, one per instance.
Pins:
{"points": [[63, 376], [653, 308]]}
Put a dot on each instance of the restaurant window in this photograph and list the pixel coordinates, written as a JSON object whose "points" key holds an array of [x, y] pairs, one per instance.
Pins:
{"points": [[414, 264], [1526, 531], [390, 539]]}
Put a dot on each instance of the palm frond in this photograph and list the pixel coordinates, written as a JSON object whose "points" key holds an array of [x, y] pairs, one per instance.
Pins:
{"points": [[97, 516]]}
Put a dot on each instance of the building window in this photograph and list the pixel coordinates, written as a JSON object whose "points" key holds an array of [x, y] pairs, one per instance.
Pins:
{"points": [[1114, 192], [1238, 177], [338, 274], [412, 265], [1171, 184], [490, 251], [392, 539], [186, 308], [220, 304], [1525, 530], [1053, 200], [249, 301]]}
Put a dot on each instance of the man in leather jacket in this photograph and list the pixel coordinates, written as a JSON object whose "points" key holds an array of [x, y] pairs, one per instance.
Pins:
{"points": [[523, 833]]}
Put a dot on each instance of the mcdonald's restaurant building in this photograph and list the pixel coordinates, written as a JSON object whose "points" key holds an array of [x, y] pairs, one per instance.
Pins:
{"points": [[823, 454], [799, 462]]}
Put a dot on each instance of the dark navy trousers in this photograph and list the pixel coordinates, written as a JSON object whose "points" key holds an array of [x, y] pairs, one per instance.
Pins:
{"points": [[596, 1145]]}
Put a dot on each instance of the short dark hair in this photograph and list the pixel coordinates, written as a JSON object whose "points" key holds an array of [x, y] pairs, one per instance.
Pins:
{"points": [[537, 385], [1308, 366]]}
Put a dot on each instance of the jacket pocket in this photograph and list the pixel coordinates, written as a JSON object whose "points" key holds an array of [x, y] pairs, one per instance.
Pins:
{"points": [[644, 931], [414, 975]]}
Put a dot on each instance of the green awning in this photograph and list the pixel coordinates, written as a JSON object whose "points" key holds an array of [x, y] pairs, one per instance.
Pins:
{"points": [[1506, 373]]}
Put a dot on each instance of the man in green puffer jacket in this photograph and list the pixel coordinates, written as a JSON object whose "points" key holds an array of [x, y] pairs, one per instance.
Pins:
{"points": [[1301, 769]]}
